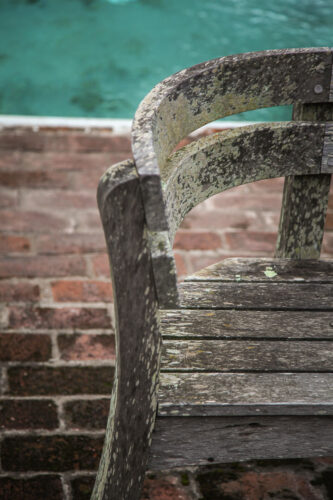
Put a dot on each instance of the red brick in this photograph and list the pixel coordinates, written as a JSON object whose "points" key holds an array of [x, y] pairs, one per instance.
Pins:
{"points": [[218, 220], [87, 414], [251, 241], [165, 488], [329, 222], [10, 243], [54, 318], [28, 414], [57, 199], [34, 179], [64, 380], [101, 142], [201, 261], [71, 243], [57, 140], [59, 160], [24, 347], [86, 222], [82, 291], [323, 460], [272, 222], [88, 179], [180, 264], [42, 266], [101, 265], [59, 453], [32, 488], [76, 347], [17, 292], [328, 243], [8, 198], [15, 221], [253, 485], [231, 200], [330, 200], [200, 240], [82, 487], [267, 185]]}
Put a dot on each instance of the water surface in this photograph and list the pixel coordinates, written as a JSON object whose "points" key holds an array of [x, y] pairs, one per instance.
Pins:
{"points": [[100, 57]]}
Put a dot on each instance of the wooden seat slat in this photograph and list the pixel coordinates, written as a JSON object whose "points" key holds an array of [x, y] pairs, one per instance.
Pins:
{"points": [[247, 355], [180, 442], [226, 394], [267, 270], [216, 295], [223, 324]]}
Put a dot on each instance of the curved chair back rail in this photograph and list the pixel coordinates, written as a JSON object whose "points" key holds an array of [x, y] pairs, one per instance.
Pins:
{"points": [[219, 162], [215, 89]]}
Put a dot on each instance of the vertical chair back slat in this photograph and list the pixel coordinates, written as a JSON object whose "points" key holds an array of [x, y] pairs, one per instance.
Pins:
{"points": [[305, 199]]}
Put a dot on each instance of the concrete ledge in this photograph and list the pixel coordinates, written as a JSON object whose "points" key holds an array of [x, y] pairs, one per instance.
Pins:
{"points": [[119, 126]]}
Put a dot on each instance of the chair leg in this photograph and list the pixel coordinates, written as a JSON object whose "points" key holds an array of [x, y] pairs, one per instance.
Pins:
{"points": [[133, 403]]}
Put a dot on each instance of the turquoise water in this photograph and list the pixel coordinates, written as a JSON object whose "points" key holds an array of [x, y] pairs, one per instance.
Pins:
{"points": [[99, 58]]}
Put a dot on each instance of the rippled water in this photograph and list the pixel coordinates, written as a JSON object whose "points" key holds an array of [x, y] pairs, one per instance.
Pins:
{"points": [[100, 57]]}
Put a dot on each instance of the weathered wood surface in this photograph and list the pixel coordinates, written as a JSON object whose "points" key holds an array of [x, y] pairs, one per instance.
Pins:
{"points": [[214, 89], [237, 324], [197, 95], [245, 394], [247, 355], [260, 296], [221, 87], [180, 441], [239, 156], [305, 198], [267, 270], [327, 164], [165, 274], [133, 403]]}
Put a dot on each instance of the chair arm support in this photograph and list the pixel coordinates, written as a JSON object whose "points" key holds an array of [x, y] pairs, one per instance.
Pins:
{"points": [[133, 403]]}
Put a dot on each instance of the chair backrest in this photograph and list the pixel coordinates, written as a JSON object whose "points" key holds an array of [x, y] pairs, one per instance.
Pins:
{"points": [[173, 183]]}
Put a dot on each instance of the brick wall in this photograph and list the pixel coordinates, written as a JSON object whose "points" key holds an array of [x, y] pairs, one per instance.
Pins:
{"points": [[56, 319]]}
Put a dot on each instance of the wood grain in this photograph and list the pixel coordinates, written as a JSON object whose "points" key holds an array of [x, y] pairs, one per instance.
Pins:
{"points": [[245, 394], [230, 158], [267, 270], [180, 441], [247, 355], [232, 324], [133, 402], [260, 296]]}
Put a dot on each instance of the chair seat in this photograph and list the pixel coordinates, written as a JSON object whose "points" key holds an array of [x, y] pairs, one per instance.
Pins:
{"points": [[251, 337]]}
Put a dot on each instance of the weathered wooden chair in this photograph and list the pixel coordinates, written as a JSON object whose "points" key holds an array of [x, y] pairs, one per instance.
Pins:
{"points": [[247, 361]]}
